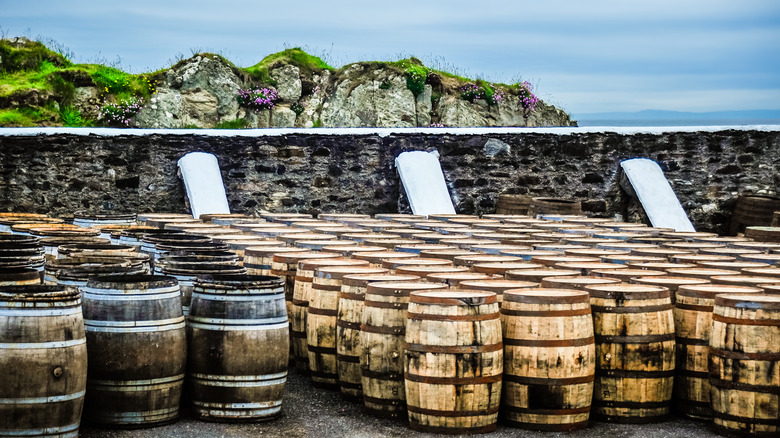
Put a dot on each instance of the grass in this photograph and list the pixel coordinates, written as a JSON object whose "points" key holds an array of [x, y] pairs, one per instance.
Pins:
{"points": [[307, 64], [24, 117], [231, 124], [72, 117]]}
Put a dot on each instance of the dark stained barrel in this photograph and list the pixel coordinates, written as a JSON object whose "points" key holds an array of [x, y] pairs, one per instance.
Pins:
{"points": [[43, 358], [238, 347], [137, 350]]}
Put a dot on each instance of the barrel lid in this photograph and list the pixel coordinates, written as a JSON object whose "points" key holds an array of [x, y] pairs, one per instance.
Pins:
{"points": [[381, 256], [37, 293], [628, 291], [744, 280], [19, 274], [265, 251], [448, 254], [239, 282], [196, 270], [577, 282], [365, 279], [302, 254], [503, 267], [418, 247], [7, 238], [773, 289], [552, 260], [627, 246], [593, 252], [131, 282], [339, 272], [764, 271], [627, 274], [750, 302], [527, 273], [589, 266], [711, 290], [453, 297], [392, 288], [484, 258], [701, 272], [425, 270], [312, 264], [670, 281], [419, 261], [497, 285], [466, 275], [625, 259], [305, 236], [547, 296], [734, 266], [695, 258], [659, 265]]}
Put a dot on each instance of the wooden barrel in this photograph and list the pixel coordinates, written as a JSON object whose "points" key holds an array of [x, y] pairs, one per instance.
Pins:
{"points": [[577, 283], [43, 355], [513, 204], [285, 265], [321, 335], [753, 210], [549, 359], [670, 282], [744, 364], [452, 279], [350, 315], [302, 296], [381, 345], [19, 276], [634, 330], [137, 349], [502, 268], [536, 275], [497, 286], [693, 322], [555, 206], [453, 361], [257, 260], [625, 275], [424, 271], [238, 347], [186, 274]]}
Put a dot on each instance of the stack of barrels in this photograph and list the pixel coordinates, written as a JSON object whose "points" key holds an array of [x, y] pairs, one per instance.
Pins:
{"points": [[453, 322]]}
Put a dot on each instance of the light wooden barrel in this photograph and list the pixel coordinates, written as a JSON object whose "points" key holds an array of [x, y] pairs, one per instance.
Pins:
{"points": [[43, 355], [634, 330], [744, 365], [453, 278], [549, 359], [536, 275], [302, 295], [497, 286], [554, 206], [693, 323], [577, 283], [513, 204], [321, 325], [350, 314], [238, 347], [382, 329], [137, 350], [671, 282], [285, 265], [258, 259], [453, 361]]}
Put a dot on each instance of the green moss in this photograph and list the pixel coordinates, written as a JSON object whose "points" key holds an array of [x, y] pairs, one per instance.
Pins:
{"points": [[307, 64], [28, 57], [24, 117]]}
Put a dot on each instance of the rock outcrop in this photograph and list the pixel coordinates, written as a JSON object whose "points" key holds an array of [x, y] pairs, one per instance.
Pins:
{"points": [[201, 92]]}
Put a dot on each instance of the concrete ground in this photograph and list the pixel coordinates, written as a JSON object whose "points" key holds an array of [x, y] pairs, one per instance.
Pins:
{"points": [[322, 413]]}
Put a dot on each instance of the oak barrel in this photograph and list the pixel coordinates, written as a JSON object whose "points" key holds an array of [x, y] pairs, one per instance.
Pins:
{"points": [[555, 206], [634, 331], [753, 210], [381, 345], [513, 204], [549, 359], [43, 355], [302, 295], [693, 323], [321, 324], [453, 361], [137, 349], [350, 315], [238, 347], [744, 365]]}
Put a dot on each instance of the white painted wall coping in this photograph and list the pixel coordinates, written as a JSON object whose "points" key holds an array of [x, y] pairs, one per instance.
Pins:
{"points": [[381, 132]]}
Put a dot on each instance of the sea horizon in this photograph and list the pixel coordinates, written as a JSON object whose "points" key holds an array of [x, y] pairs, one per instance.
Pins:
{"points": [[675, 122]]}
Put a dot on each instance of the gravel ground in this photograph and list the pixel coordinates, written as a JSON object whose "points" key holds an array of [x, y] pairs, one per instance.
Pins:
{"points": [[321, 413]]}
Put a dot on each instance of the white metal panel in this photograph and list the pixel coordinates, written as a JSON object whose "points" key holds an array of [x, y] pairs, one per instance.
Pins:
{"points": [[655, 194], [424, 184], [203, 182]]}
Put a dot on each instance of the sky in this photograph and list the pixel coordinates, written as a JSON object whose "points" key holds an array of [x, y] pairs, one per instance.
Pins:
{"points": [[582, 56]]}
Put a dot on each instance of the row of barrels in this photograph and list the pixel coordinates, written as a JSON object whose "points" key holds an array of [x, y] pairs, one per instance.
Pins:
{"points": [[119, 347], [327, 308]]}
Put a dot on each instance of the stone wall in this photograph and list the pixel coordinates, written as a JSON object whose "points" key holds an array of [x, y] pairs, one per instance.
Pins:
{"points": [[59, 172]]}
